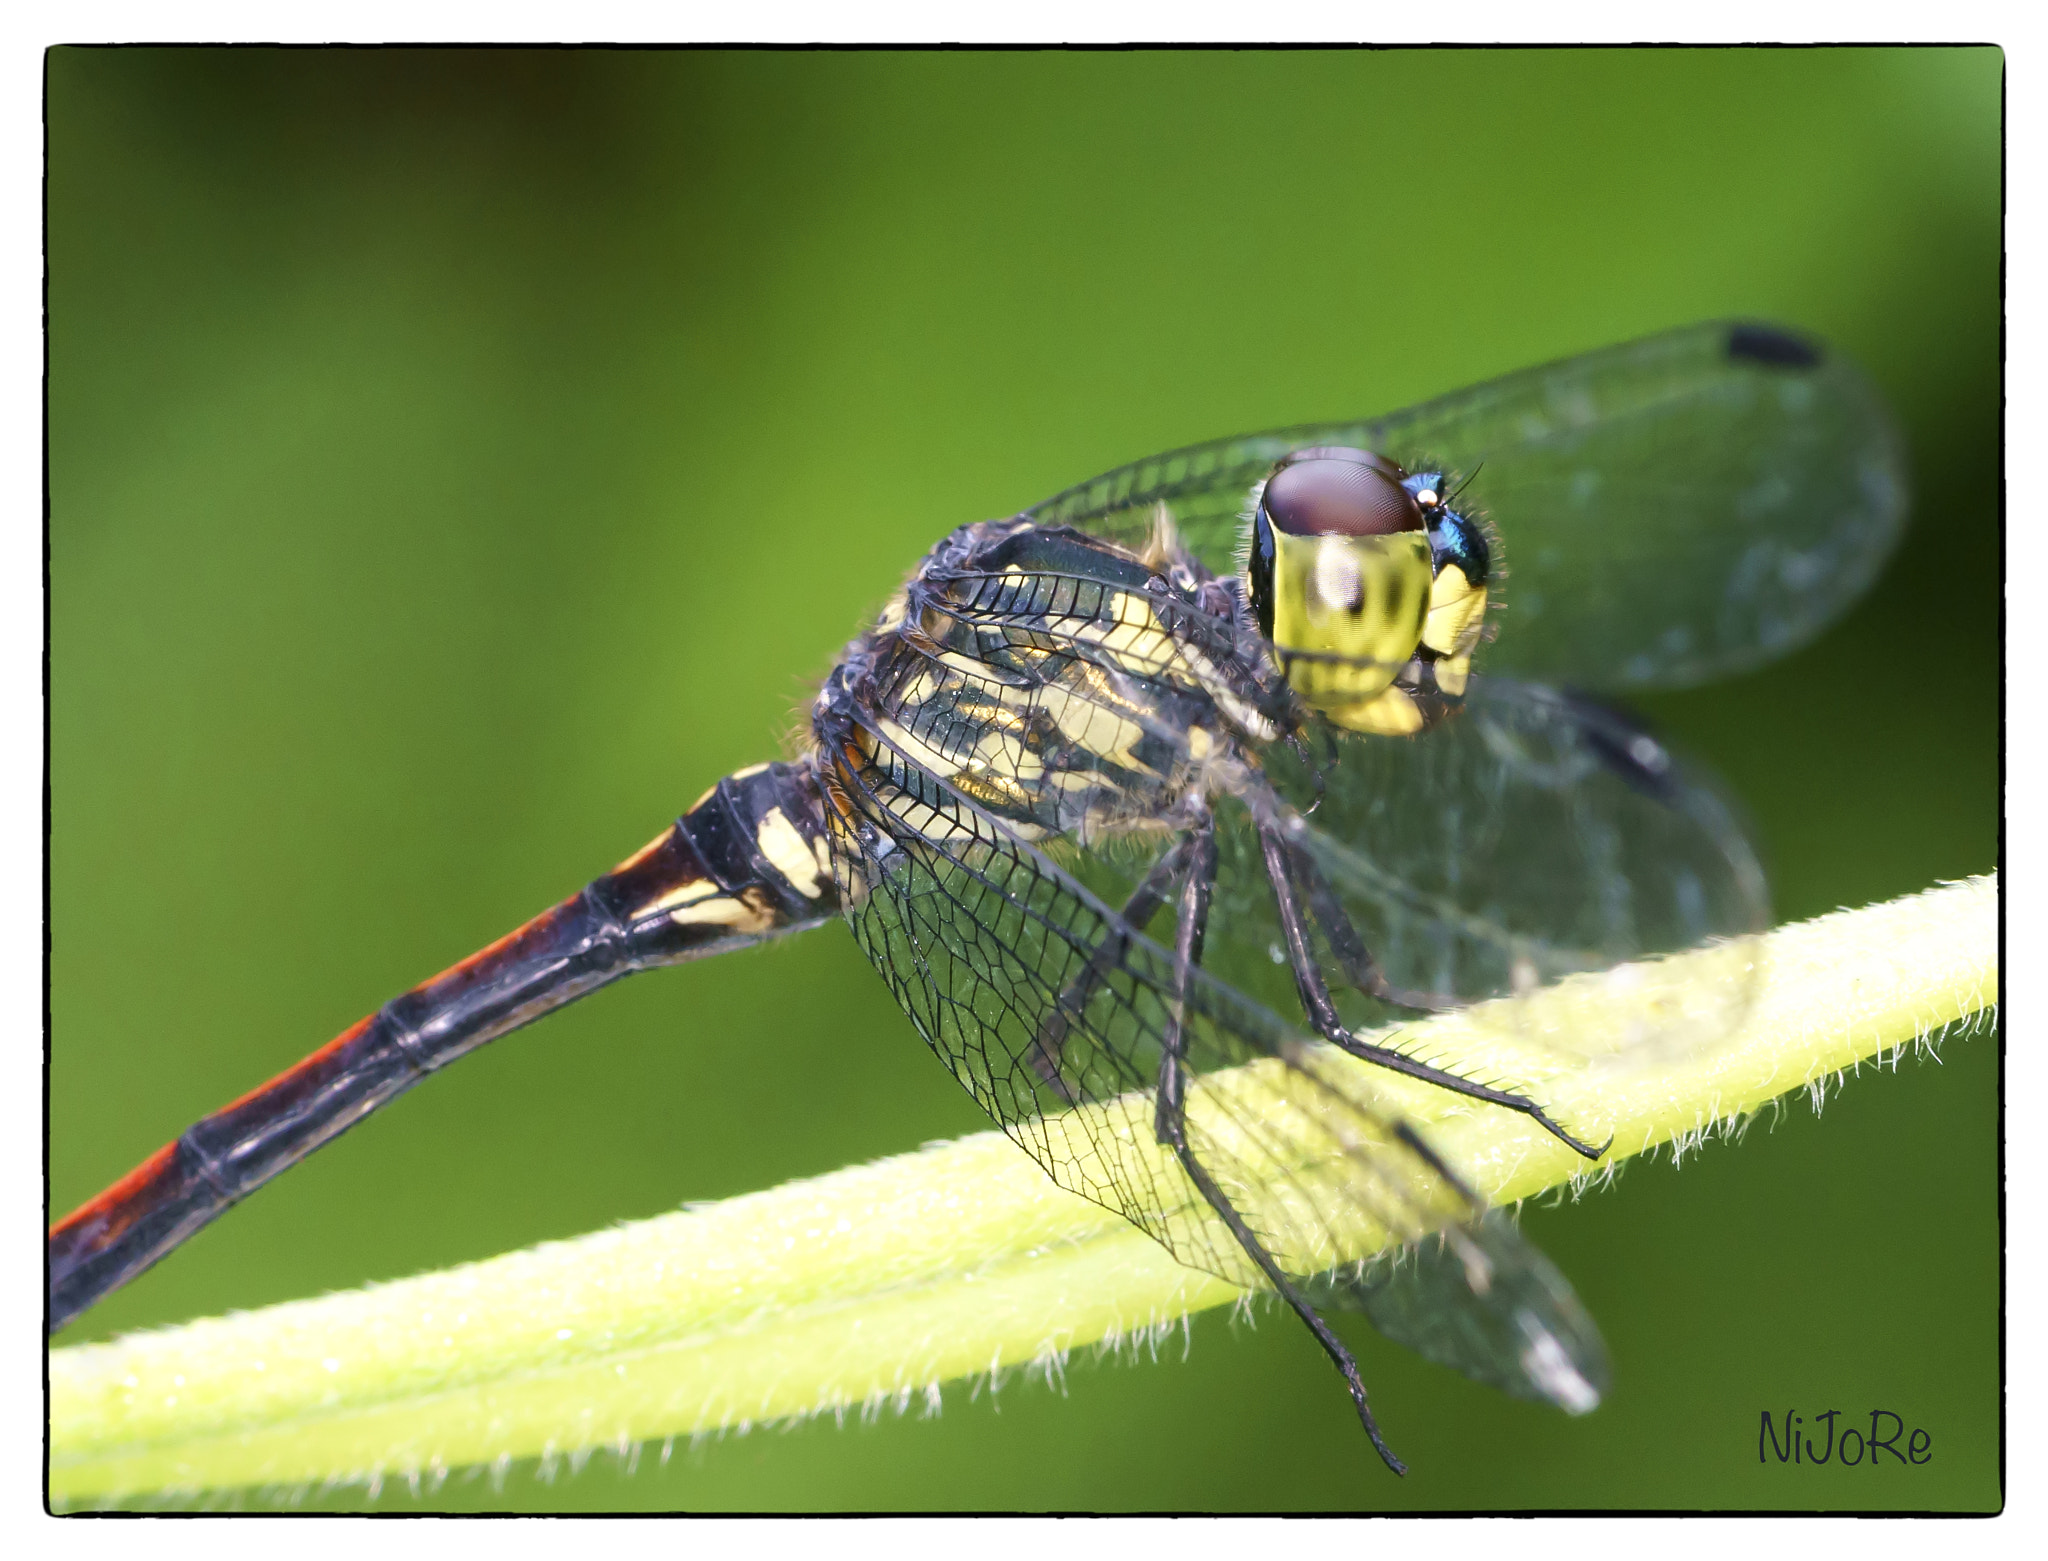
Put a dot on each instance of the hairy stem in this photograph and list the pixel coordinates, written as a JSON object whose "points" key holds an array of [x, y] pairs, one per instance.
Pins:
{"points": [[879, 1283]]}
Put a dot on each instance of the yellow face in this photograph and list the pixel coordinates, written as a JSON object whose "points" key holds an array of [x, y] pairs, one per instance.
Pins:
{"points": [[1360, 601]]}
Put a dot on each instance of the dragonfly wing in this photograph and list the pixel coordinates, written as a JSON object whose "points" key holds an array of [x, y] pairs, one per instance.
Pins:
{"points": [[1669, 511], [986, 941], [1532, 843]]}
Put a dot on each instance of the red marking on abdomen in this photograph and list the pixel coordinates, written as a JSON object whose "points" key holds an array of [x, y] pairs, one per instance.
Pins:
{"points": [[352, 1033], [121, 1192]]}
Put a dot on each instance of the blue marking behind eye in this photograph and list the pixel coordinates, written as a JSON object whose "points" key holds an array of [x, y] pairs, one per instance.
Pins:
{"points": [[1456, 540]]}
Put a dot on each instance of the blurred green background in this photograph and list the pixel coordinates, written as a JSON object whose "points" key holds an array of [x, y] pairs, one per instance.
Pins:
{"points": [[459, 460]]}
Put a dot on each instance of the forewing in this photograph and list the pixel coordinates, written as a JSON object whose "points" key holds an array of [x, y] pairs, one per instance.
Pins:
{"points": [[989, 945], [1669, 511]]}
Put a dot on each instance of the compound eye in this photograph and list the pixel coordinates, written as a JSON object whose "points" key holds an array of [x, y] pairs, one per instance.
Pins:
{"points": [[1330, 491]]}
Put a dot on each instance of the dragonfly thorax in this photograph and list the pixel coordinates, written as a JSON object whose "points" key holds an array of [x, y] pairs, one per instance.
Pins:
{"points": [[1059, 685]]}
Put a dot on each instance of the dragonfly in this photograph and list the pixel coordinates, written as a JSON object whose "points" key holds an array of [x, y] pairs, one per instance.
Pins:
{"points": [[1169, 809]]}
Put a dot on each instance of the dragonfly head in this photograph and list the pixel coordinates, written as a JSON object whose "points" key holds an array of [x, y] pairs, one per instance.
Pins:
{"points": [[1354, 567]]}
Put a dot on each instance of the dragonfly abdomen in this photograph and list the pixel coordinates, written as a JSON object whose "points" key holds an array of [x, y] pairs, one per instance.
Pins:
{"points": [[745, 863]]}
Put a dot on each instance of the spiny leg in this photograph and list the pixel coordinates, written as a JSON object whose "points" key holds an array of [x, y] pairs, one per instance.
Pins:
{"points": [[1170, 1122], [1283, 868], [1360, 968], [1144, 902]]}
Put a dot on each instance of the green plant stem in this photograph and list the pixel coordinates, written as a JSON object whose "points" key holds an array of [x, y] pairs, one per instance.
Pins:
{"points": [[875, 1285]]}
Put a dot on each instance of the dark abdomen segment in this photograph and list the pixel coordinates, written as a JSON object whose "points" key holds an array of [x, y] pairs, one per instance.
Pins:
{"points": [[744, 864]]}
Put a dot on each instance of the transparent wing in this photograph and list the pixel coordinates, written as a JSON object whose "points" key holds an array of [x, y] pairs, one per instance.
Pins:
{"points": [[989, 946], [1530, 843], [1670, 511]]}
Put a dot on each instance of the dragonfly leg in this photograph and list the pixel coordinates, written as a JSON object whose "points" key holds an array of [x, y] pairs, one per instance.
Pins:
{"points": [[1191, 925], [1360, 968], [1285, 870], [1048, 1045], [1171, 1125]]}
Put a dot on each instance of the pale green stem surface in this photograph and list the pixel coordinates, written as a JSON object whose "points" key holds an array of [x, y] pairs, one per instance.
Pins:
{"points": [[875, 1285]]}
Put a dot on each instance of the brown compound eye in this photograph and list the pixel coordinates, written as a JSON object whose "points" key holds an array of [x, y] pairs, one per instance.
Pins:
{"points": [[1331, 491]]}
